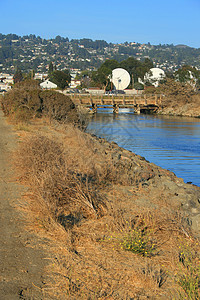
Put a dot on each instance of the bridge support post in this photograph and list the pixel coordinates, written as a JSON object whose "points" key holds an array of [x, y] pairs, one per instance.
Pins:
{"points": [[137, 109], [145, 99], [94, 108], [124, 100], [91, 102], [156, 99], [115, 108]]}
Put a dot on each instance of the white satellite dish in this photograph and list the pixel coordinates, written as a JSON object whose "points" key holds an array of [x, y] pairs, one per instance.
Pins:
{"points": [[120, 78], [154, 76]]}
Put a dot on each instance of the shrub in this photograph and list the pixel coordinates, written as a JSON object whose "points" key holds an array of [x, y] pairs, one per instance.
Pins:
{"points": [[139, 241], [58, 107], [26, 101], [150, 90], [67, 192], [189, 275], [138, 86], [23, 101]]}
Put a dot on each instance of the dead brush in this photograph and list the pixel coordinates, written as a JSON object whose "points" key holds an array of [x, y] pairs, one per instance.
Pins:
{"points": [[156, 273], [56, 178], [88, 156], [148, 233], [69, 175]]}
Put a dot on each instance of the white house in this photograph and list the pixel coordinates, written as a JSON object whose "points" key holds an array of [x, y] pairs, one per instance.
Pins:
{"points": [[41, 76], [6, 81], [48, 85], [74, 83]]}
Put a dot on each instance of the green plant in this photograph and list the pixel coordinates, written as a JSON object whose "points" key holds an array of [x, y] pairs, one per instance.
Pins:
{"points": [[189, 275], [139, 241]]}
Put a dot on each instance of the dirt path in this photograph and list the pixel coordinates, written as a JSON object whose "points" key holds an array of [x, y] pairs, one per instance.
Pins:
{"points": [[21, 267]]}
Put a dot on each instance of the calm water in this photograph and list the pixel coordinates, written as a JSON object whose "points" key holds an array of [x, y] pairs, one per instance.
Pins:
{"points": [[170, 142]]}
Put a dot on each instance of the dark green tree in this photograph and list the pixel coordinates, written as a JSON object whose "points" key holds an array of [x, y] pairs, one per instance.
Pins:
{"points": [[18, 77], [136, 68], [61, 78], [102, 76], [50, 68], [111, 64]]}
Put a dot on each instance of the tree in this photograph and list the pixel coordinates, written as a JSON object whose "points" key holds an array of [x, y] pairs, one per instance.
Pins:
{"points": [[50, 68], [85, 78], [136, 68], [111, 64], [138, 86], [102, 76], [61, 78], [30, 75], [188, 74], [18, 77]]}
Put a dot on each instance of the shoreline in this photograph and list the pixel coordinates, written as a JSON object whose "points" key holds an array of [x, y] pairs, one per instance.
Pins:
{"points": [[104, 124], [88, 243], [151, 174], [180, 106], [113, 224]]}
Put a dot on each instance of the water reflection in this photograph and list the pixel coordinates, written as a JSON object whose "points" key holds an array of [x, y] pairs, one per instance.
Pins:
{"points": [[170, 142]]}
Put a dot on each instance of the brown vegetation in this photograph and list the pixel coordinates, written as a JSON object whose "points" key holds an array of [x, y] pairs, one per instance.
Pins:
{"points": [[174, 89], [179, 99], [113, 223], [27, 101], [106, 245]]}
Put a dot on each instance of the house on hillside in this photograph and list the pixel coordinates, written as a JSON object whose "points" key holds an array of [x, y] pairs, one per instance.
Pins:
{"points": [[47, 84], [6, 81]]}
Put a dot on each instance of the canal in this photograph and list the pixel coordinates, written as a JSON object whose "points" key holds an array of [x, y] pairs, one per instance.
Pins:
{"points": [[172, 143]]}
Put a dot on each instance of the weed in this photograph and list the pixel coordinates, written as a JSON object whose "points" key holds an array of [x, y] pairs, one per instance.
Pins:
{"points": [[139, 241], [159, 275], [189, 275], [21, 126]]}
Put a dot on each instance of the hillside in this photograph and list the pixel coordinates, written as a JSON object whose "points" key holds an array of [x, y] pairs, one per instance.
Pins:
{"points": [[31, 52]]}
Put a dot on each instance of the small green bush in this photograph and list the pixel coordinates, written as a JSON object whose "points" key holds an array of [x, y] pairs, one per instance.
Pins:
{"points": [[139, 241], [189, 275]]}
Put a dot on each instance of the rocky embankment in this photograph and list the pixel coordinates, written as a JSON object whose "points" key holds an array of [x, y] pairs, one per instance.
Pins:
{"points": [[189, 108], [155, 183], [106, 199]]}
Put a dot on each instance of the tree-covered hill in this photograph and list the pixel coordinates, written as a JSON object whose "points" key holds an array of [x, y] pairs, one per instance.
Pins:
{"points": [[33, 52]]}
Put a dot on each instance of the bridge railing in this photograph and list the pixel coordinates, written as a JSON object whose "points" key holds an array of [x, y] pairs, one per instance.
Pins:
{"points": [[89, 99]]}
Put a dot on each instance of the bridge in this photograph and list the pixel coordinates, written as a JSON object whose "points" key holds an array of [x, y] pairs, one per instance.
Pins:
{"points": [[140, 103]]}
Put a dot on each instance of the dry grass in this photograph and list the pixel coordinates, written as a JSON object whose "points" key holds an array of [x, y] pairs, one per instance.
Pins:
{"points": [[85, 207]]}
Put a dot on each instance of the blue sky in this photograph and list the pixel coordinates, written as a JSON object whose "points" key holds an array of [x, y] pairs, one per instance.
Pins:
{"points": [[165, 22]]}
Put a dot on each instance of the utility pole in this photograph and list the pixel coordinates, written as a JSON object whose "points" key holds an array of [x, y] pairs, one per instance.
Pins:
{"points": [[132, 82]]}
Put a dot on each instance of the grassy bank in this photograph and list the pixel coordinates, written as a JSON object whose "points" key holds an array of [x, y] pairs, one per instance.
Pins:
{"points": [[113, 223], [107, 241]]}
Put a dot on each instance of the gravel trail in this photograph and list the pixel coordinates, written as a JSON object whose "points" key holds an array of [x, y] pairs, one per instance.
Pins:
{"points": [[21, 266]]}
